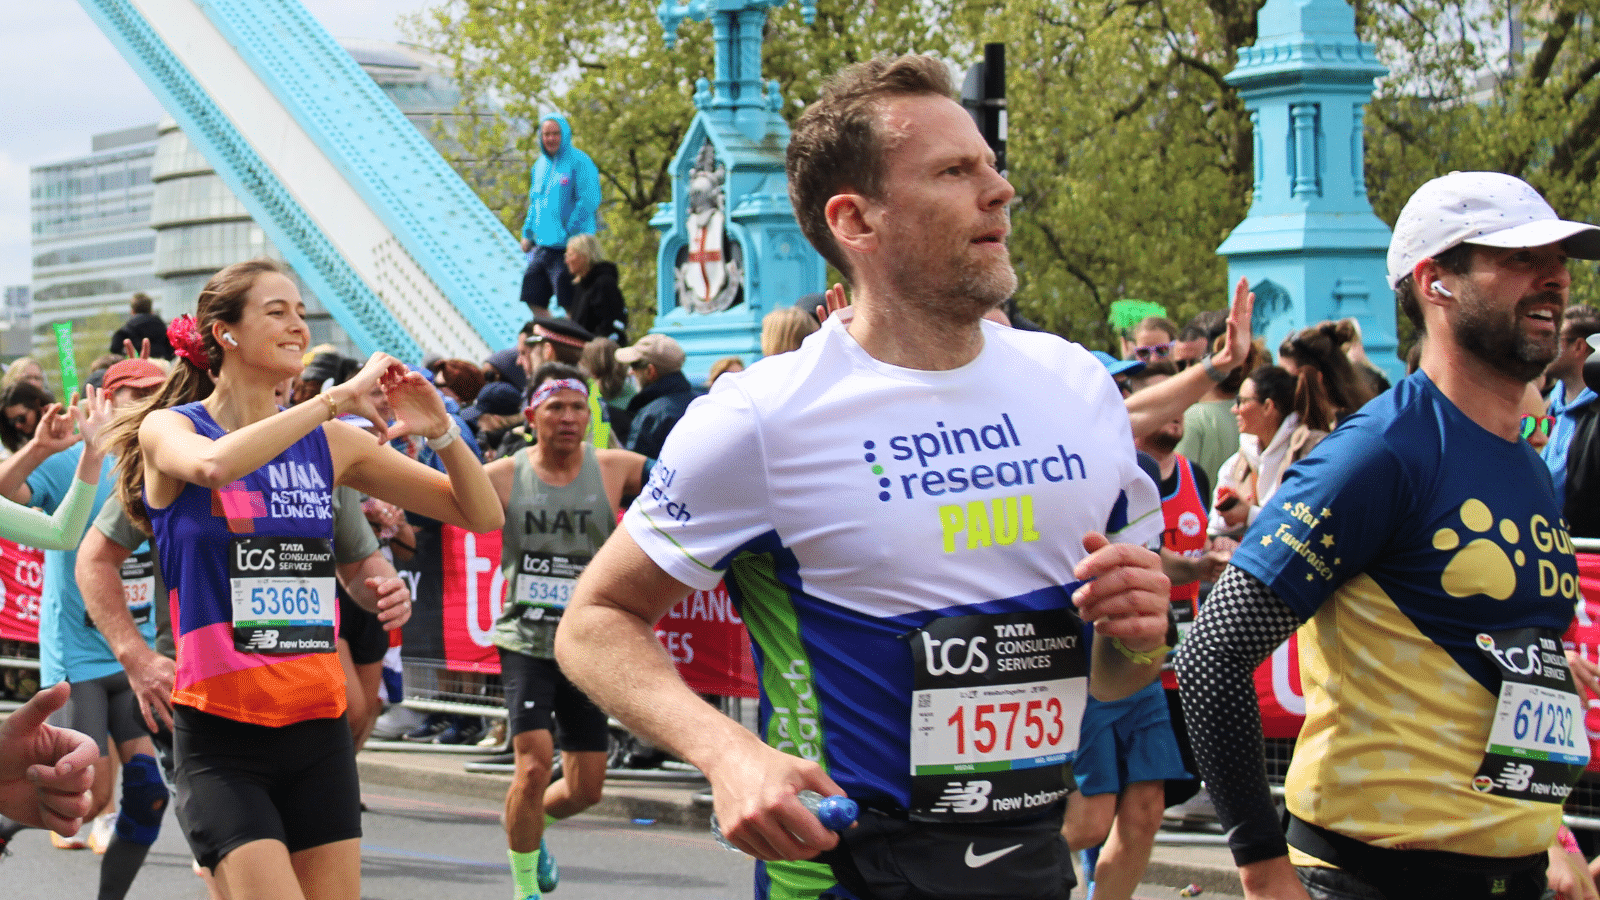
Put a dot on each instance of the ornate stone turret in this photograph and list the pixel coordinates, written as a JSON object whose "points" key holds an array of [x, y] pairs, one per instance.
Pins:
{"points": [[730, 247], [1311, 247]]}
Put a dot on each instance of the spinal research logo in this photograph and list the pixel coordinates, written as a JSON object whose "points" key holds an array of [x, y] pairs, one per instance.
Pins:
{"points": [[263, 640], [964, 797]]}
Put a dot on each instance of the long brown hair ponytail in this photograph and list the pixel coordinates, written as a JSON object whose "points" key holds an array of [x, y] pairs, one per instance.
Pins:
{"points": [[192, 377]]}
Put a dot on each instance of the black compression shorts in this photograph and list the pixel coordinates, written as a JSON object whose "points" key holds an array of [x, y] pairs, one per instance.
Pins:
{"points": [[362, 631], [538, 696], [102, 707], [239, 782]]}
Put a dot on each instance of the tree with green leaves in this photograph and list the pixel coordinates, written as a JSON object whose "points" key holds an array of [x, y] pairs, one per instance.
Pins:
{"points": [[1130, 152], [629, 98], [1509, 88]]}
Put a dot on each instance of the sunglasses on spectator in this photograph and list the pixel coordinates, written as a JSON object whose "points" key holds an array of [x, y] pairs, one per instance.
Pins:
{"points": [[1542, 423], [20, 421], [1155, 351]]}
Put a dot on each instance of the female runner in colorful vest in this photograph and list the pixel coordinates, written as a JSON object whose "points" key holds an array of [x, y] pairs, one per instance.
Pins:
{"points": [[238, 496]]}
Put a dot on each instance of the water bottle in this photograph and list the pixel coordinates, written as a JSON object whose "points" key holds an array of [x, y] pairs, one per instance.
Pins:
{"points": [[835, 814]]}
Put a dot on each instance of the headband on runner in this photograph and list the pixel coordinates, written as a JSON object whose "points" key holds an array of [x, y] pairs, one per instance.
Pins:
{"points": [[551, 388]]}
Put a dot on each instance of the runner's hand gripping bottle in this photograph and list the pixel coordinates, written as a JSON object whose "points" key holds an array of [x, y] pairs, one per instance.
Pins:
{"points": [[835, 814]]}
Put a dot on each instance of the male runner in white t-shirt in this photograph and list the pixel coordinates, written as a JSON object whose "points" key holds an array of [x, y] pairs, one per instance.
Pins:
{"points": [[912, 512]]}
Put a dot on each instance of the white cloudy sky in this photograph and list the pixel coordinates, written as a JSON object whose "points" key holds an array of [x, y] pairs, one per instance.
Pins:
{"points": [[62, 81]]}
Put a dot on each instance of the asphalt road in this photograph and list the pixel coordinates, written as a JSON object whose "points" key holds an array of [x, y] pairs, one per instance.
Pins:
{"points": [[428, 846], [421, 846]]}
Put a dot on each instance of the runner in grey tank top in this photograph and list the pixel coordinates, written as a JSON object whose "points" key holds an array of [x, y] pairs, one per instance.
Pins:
{"points": [[560, 497]]}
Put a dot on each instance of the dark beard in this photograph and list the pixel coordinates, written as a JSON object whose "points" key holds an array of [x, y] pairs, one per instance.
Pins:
{"points": [[1504, 347], [1163, 441]]}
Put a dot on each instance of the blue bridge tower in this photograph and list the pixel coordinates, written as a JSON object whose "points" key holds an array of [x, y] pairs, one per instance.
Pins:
{"points": [[1311, 246], [731, 249]]}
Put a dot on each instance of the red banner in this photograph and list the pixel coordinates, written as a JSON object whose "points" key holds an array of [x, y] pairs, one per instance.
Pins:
{"points": [[1283, 703], [707, 640], [1584, 637], [21, 577], [702, 634], [474, 593]]}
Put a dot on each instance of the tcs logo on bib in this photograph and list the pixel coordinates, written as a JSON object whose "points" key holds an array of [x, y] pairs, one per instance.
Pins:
{"points": [[254, 559], [946, 657]]}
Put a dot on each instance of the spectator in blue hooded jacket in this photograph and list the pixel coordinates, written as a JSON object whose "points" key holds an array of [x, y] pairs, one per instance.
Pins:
{"points": [[563, 196]]}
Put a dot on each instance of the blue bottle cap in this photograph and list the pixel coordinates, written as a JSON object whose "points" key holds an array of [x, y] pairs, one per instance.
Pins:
{"points": [[837, 813]]}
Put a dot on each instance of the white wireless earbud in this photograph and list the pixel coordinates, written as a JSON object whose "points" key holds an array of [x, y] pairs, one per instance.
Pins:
{"points": [[1439, 288], [228, 335]]}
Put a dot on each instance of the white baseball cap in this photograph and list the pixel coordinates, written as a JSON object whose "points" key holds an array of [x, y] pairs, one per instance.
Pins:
{"points": [[1487, 208]]}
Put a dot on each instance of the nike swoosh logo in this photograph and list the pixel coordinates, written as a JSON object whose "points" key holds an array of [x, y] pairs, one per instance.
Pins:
{"points": [[979, 860]]}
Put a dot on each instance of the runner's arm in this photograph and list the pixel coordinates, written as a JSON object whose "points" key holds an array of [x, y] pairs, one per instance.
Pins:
{"points": [[52, 435], [623, 473], [1240, 625], [63, 528], [462, 495], [175, 452], [607, 645], [99, 575], [1152, 408], [376, 587], [1126, 596], [49, 531]]}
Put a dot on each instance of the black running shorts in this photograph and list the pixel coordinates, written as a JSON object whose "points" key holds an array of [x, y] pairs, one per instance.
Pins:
{"points": [[239, 782], [103, 707], [539, 696], [362, 631]]}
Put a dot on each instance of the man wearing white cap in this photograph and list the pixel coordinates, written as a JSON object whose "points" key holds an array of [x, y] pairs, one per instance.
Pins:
{"points": [[1423, 551]]}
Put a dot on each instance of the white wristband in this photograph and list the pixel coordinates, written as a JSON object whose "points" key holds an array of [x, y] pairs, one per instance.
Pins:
{"points": [[444, 440]]}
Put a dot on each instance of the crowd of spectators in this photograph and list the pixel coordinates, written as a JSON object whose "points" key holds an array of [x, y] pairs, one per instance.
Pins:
{"points": [[1224, 442]]}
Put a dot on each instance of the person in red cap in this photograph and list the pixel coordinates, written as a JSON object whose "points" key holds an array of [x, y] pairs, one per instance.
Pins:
{"points": [[131, 380]]}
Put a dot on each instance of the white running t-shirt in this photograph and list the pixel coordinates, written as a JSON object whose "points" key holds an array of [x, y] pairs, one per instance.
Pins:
{"points": [[852, 503]]}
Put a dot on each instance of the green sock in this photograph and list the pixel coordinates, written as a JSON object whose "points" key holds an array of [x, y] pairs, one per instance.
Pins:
{"points": [[525, 872]]}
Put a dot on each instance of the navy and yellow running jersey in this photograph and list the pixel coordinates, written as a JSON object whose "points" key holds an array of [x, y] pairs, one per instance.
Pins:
{"points": [[1407, 534]]}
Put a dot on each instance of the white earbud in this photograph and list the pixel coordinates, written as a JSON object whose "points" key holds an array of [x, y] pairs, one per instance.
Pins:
{"points": [[228, 337], [1439, 287]]}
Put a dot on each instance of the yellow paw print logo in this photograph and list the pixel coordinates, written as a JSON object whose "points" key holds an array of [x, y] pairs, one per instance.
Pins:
{"points": [[1482, 566]]}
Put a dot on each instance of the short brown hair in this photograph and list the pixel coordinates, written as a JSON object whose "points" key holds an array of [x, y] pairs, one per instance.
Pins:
{"points": [[1156, 323], [839, 143], [1457, 259], [1579, 321]]}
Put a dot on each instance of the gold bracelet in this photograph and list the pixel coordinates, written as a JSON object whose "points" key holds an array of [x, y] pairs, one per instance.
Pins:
{"points": [[333, 406]]}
